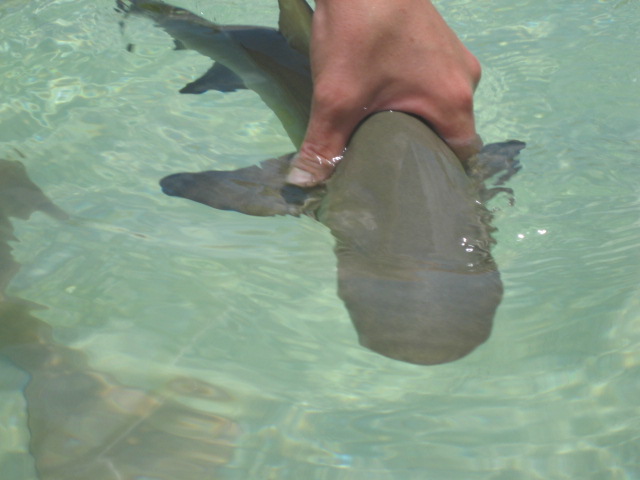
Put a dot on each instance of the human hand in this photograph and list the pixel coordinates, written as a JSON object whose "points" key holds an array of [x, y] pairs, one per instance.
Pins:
{"points": [[374, 55]]}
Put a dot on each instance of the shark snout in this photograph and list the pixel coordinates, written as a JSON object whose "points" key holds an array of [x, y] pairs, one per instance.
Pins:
{"points": [[436, 317], [177, 184]]}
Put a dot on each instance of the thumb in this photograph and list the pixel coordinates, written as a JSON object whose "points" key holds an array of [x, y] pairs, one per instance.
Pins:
{"points": [[327, 135]]}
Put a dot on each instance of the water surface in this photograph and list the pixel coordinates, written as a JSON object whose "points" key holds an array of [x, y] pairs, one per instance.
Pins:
{"points": [[238, 317]]}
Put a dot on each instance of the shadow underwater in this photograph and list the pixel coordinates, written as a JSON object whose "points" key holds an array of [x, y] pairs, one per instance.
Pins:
{"points": [[83, 423]]}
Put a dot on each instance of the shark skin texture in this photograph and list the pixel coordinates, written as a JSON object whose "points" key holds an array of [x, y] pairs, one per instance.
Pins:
{"points": [[413, 236]]}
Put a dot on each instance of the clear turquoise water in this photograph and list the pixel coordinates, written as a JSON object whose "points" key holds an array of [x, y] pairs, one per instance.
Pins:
{"points": [[238, 317]]}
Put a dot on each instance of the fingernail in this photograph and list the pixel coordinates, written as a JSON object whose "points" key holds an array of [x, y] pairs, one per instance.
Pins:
{"points": [[300, 177]]}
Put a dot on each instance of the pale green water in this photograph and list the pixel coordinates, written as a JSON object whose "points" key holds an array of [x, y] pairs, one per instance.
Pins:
{"points": [[155, 289]]}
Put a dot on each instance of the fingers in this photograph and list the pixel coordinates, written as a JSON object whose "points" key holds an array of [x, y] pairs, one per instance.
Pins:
{"points": [[400, 56], [325, 142], [458, 132], [333, 119], [452, 118], [319, 154], [465, 149]]}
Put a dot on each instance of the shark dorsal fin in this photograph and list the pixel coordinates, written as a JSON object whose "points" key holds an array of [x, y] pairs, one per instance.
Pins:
{"points": [[295, 23]]}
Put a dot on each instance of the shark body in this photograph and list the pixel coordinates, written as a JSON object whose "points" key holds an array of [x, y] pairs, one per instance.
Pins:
{"points": [[82, 422], [412, 235]]}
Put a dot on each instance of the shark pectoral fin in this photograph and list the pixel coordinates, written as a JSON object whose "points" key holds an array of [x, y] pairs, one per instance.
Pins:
{"points": [[259, 190], [510, 148], [495, 158], [496, 162], [219, 78]]}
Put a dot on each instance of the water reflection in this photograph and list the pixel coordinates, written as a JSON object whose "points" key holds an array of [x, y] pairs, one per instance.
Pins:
{"points": [[83, 423]]}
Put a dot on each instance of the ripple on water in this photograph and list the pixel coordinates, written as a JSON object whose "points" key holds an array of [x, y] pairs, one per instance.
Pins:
{"points": [[240, 316]]}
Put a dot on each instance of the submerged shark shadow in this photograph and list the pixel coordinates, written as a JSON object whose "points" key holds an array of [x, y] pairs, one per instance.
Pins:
{"points": [[84, 424], [413, 236]]}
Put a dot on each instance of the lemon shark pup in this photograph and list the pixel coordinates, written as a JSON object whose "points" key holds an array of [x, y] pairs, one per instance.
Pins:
{"points": [[412, 234]]}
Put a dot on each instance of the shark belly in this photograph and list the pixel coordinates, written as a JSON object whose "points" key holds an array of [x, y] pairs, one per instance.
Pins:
{"points": [[412, 243]]}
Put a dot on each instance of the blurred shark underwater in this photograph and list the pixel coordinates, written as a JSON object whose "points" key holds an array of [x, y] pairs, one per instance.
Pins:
{"points": [[83, 424], [413, 235]]}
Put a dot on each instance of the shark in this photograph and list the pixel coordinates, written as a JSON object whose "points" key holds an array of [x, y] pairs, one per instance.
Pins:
{"points": [[413, 233], [83, 423]]}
